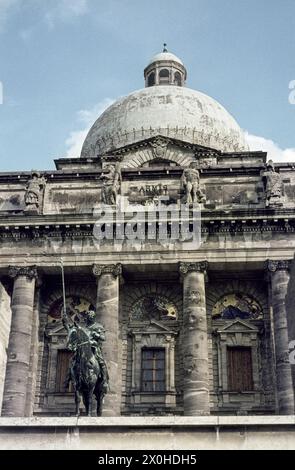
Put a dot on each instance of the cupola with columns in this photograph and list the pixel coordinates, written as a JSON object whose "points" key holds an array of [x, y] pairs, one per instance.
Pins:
{"points": [[165, 68]]}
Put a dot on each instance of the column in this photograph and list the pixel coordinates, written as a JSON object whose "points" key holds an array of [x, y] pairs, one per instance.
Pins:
{"points": [[279, 273], [195, 341], [19, 347], [34, 354], [107, 309]]}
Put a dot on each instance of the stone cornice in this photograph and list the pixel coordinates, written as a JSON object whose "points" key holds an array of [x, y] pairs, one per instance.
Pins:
{"points": [[28, 271], [80, 226], [100, 269], [277, 265]]}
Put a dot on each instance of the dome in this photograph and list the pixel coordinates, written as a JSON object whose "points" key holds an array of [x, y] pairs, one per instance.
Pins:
{"points": [[172, 111], [165, 57]]}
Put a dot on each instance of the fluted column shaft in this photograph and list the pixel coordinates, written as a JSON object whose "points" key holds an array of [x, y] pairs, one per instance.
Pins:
{"points": [[195, 341], [279, 283], [107, 309], [19, 347]]}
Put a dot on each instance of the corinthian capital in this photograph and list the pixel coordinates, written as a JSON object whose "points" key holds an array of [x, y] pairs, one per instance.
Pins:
{"points": [[28, 271], [114, 269], [198, 266], [277, 265]]}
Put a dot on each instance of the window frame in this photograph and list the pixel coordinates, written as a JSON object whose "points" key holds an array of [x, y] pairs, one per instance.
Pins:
{"points": [[154, 370], [232, 387]]}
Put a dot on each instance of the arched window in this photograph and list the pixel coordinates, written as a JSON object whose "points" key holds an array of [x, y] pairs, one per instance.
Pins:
{"points": [[177, 79], [164, 77], [151, 79]]}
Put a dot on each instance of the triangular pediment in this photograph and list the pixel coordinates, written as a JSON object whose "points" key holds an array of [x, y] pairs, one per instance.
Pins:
{"points": [[56, 330], [157, 327], [150, 141], [238, 326], [156, 150]]}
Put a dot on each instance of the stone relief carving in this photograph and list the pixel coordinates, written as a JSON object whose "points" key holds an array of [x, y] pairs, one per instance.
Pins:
{"points": [[274, 265], [156, 307], [111, 179], [159, 147], [114, 269], [194, 296], [34, 191], [29, 271], [273, 186], [190, 182], [189, 364], [199, 266]]}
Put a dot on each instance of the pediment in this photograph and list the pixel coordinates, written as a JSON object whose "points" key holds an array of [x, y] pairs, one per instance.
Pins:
{"points": [[154, 327], [56, 330], [158, 150], [238, 326]]}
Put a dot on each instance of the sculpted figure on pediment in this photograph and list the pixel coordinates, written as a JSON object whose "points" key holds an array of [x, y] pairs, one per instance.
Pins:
{"points": [[273, 185], [190, 182], [111, 183], [34, 190]]}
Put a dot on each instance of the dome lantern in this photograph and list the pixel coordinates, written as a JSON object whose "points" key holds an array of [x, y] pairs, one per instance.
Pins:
{"points": [[165, 68]]}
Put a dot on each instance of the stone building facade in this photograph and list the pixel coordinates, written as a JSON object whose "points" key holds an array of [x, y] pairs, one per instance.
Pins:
{"points": [[195, 327]]}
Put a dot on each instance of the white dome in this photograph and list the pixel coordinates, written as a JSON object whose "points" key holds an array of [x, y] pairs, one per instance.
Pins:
{"points": [[165, 56], [172, 111]]}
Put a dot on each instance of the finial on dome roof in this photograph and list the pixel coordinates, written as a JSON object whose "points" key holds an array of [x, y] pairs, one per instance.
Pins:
{"points": [[165, 47]]}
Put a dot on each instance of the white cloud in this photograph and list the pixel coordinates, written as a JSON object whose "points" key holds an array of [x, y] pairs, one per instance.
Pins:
{"points": [[274, 152], [87, 117], [59, 10], [65, 10]]}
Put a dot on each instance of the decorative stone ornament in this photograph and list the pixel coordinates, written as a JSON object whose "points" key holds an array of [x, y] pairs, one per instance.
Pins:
{"points": [[198, 266], [114, 269], [28, 271], [277, 265], [190, 182], [34, 190], [111, 179], [273, 186], [159, 147]]}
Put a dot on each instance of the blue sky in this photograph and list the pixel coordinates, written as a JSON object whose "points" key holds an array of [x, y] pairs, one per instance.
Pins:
{"points": [[63, 61]]}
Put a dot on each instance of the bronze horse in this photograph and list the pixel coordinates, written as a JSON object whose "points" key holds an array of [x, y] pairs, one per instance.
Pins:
{"points": [[85, 372]]}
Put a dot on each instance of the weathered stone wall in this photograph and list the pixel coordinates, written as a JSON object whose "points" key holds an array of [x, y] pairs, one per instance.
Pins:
{"points": [[130, 294], [52, 337], [290, 303], [5, 320], [264, 401], [225, 185], [154, 433], [290, 308]]}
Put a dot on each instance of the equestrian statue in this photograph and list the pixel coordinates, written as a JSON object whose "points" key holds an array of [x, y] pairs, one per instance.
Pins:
{"points": [[87, 371]]}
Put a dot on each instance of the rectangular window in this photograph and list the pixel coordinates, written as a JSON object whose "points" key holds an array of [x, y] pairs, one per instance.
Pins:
{"points": [[153, 370], [62, 369], [239, 366]]}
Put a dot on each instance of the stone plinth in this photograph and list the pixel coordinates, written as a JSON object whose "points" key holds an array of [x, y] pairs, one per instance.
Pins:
{"points": [[154, 433]]}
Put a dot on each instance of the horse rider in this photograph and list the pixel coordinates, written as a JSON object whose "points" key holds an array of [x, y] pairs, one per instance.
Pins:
{"points": [[96, 334]]}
